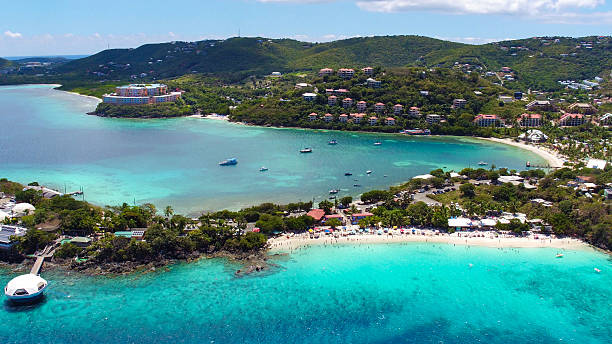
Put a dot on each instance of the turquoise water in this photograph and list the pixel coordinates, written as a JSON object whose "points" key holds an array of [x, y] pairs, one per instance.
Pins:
{"points": [[411, 293], [46, 136]]}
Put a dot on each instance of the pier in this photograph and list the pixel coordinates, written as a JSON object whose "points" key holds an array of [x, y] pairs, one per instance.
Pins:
{"points": [[40, 259]]}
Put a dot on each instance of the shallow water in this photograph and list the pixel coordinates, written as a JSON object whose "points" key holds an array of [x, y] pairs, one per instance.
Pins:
{"points": [[400, 293], [46, 136]]}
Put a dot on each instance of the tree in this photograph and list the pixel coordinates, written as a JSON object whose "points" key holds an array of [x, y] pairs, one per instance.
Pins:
{"points": [[467, 190], [346, 201], [168, 211], [375, 196], [326, 205], [333, 223], [28, 196]]}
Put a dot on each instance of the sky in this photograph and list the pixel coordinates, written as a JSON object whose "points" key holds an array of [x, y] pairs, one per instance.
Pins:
{"points": [[64, 27]]}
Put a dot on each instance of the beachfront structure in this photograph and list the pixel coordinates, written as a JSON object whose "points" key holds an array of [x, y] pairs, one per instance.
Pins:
{"points": [[343, 118], [390, 121], [334, 216], [583, 108], [346, 73], [533, 135], [347, 103], [605, 120], [361, 106], [379, 107], [433, 118], [530, 120], [328, 117], [332, 100], [326, 71], [313, 117], [398, 109], [309, 96], [357, 117], [571, 120], [459, 103], [359, 216], [487, 121], [414, 111], [368, 70], [373, 83], [316, 214], [138, 94], [373, 120]]}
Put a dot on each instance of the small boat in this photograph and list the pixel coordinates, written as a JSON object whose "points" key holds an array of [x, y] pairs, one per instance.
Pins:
{"points": [[377, 143], [263, 169], [385, 176], [25, 288], [528, 164], [348, 174], [597, 270], [368, 172], [559, 255], [333, 191], [229, 162], [333, 142], [306, 150], [357, 185], [482, 163], [332, 197]]}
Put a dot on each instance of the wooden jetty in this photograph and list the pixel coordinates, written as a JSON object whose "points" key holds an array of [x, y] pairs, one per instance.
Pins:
{"points": [[40, 259]]}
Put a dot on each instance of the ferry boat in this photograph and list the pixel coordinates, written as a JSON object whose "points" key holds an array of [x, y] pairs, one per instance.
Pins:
{"points": [[25, 288], [306, 150], [482, 163], [263, 169], [333, 142], [348, 174], [229, 162]]}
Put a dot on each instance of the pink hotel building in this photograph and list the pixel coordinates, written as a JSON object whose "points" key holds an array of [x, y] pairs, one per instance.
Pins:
{"points": [[136, 94]]}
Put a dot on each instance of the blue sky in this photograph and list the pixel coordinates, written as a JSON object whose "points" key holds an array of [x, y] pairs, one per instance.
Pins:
{"points": [[44, 27]]}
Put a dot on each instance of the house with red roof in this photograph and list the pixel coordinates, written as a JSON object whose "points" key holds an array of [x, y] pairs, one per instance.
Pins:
{"points": [[530, 120], [361, 106], [379, 107], [328, 117], [313, 117], [343, 118], [390, 121], [571, 120], [398, 109], [316, 214], [358, 216], [488, 121], [373, 120], [332, 100], [347, 103]]}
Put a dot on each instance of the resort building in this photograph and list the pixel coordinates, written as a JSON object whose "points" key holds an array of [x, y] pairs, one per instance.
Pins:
{"points": [[329, 91], [313, 117], [379, 107], [343, 118], [542, 105], [358, 216], [433, 118], [571, 120], [309, 96], [346, 73], [390, 121], [332, 100], [328, 117], [487, 121], [368, 70], [373, 120], [530, 120], [506, 99], [373, 83], [326, 71], [9, 232], [583, 108], [459, 103], [605, 120], [414, 111], [357, 117], [398, 109], [137, 94], [347, 103], [361, 106], [533, 135], [316, 214]]}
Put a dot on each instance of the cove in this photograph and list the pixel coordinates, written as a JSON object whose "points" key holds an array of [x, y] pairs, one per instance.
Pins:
{"points": [[46, 136]]}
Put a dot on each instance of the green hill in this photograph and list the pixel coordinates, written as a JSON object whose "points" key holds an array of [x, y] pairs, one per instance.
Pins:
{"points": [[536, 62]]}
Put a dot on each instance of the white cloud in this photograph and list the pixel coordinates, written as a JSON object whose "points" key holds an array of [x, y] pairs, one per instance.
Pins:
{"points": [[10, 34]]}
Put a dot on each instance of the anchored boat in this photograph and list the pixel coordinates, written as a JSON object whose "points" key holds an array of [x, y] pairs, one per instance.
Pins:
{"points": [[306, 150], [333, 142], [229, 162]]}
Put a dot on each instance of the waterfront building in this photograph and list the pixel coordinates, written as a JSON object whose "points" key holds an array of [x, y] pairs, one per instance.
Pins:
{"points": [[488, 121], [361, 106], [357, 117], [326, 71], [347, 103], [316, 214], [433, 118], [583, 108], [373, 120], [530, 120], [358, 216], [414, 111], [379, 107], [533, 135], [313, 117], [346, 73], [343, 118], [459, 103], [332, 100], [390, 121], [571, 120], [138, 94], [398, 109], [368, 70], [328, 117], [309, 96]]}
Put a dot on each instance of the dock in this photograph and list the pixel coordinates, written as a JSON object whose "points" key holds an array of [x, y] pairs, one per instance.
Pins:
{"points": [[40, 259]]}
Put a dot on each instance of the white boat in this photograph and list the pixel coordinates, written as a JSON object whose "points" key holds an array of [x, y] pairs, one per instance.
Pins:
{"points": [[377, 143], [482, 163], [263, 169], [333, 191], [368, 172], [306, 150], [25, 288], [560, 255]]}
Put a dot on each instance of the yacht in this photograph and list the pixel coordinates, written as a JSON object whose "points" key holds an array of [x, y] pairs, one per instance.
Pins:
{"points": [[229, 162], [306, 150]]}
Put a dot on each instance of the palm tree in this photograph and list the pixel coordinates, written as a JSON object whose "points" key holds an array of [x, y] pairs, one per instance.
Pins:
{"points": [[168, 211]]}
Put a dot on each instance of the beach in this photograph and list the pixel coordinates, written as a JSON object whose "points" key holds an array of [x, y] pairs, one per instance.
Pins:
{"points": [[484, 239], [553, 159]]}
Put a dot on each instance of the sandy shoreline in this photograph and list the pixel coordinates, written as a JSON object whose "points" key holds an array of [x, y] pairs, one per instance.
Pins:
{"points": [[553, 159], [284, 244]]}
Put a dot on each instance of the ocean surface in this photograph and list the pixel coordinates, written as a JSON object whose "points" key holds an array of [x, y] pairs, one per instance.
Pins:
{"points": [[400, 293], [46, 136]]}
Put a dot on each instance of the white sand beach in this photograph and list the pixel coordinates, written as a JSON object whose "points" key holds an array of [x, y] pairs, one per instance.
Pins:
{"points": [[553, 159], [487, 239]]}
